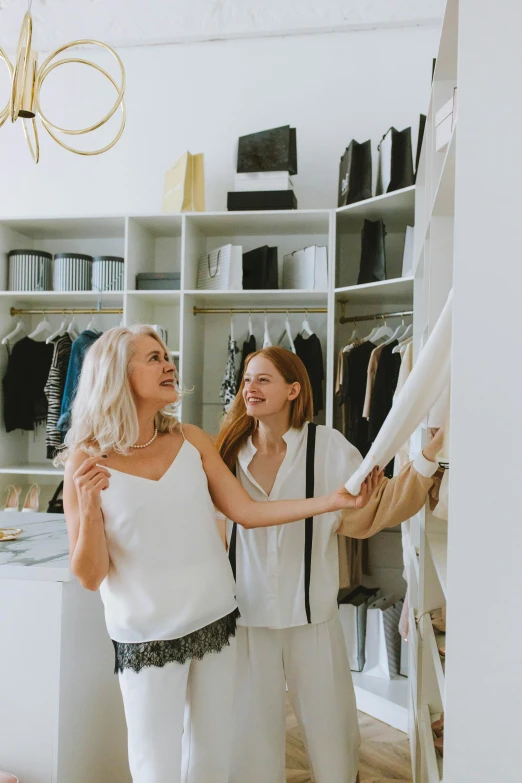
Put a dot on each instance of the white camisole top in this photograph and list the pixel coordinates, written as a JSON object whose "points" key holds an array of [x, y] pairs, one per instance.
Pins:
{"points": [[169, 573]]}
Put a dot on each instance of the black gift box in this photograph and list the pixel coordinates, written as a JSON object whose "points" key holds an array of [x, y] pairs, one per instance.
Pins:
{"points": [[261, 199]]}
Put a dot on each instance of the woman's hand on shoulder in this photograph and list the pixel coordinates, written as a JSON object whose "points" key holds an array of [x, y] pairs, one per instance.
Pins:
{"points": [[89, 478], [343, 499]]}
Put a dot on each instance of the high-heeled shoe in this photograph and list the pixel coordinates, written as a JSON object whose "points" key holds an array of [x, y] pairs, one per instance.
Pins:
{"points": [[32, 499], [12, 498]]}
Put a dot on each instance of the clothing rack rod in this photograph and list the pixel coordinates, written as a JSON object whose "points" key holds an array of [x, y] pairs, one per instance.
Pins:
{"points": [[67, 311], [261, 310], [345, 319]]}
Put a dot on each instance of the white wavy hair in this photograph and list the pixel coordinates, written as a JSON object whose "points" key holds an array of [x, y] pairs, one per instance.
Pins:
{"points": [[104, 416]]}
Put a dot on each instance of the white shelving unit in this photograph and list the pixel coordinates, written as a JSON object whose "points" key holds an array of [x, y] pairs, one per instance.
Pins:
{"points": [[166, 243]]}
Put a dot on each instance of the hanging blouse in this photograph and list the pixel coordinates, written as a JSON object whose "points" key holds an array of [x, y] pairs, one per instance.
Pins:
{"points": [[25, 403], [228, 386], [54, 389]]}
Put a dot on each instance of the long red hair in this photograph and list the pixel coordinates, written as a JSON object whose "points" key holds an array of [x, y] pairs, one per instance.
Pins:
{"points": [[238, 425]]}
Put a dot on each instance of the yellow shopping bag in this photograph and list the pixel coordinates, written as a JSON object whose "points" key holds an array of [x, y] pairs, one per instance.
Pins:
{"points": [[185, 185]]}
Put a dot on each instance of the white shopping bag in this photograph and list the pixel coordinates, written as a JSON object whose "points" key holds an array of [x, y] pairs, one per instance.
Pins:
{"points": [[221, 269], [383, 641], [306, 269]]}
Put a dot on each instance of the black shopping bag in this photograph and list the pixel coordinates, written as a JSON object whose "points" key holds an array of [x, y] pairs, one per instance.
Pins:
{"points": [[372, 268], [270, 150], [355, 173], [260, 269], [420, 138], [395, 161]]}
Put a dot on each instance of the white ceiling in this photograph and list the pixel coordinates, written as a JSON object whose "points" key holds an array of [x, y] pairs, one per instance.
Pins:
{"points": [[146, 22]]}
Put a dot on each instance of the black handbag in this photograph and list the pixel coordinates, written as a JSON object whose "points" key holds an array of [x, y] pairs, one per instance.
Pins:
{"points": [[395, 161], [270, 150], [260, 269], [355, 173], [373, 257]]}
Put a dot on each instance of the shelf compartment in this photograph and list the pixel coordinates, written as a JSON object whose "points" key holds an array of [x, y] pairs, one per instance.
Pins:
{"points": [[438, 549], [430, 641], [386, 700], [68, 228], [281, 298], [32, 469], [432, 760], [396, 209], [444, 199], [387, 292], [65, 299], [272, 223], [157, 297]]}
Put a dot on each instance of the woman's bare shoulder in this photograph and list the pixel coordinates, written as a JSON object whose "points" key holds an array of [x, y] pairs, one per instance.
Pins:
{"points": [[197, 437]]}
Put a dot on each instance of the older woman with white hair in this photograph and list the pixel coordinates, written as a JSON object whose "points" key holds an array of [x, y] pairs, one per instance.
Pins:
{"points": [[139, 498]]}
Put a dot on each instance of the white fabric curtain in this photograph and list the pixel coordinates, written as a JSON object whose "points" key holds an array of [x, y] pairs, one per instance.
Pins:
{"points": [[428, 380]]}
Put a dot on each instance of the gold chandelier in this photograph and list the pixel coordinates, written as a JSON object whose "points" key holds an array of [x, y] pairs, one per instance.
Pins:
{"points": [[27, 80]]}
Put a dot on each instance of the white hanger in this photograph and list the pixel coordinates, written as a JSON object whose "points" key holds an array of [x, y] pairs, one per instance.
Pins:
{"points": [[91, 326], [267, 342], [43, 326], [351, 340], [231, 327], [250, 327], [372, 334], [395, 336], [305, 326], [288, 333], [407, 334], [73, 330], [18, 331], [59, 332], [382, 331]]}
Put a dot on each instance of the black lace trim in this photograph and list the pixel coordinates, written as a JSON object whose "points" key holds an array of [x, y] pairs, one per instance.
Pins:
{"points": [[211, 638]]}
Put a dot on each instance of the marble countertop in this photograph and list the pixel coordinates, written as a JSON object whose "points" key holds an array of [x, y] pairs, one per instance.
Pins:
{"points": [[40, 553]]}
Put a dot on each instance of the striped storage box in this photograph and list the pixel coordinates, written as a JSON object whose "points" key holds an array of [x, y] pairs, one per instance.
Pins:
{"points": [[72, 272], [107, 273], [30, 270]]}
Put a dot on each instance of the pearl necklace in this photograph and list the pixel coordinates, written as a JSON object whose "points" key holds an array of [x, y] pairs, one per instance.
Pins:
{"points": [[144, 445]]}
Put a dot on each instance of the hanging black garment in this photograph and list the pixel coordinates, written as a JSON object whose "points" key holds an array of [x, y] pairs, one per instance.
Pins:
{"points": [[260, 269], [355, 173], [249, 346], [355, 376], [25, 403], [384, 387], [269, 150], [420, 138], [373, 252], [395, 169], [311, 354]]}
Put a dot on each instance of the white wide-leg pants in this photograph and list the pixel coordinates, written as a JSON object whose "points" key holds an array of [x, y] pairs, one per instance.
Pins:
{"points": [[179, 719], [312, 660]]}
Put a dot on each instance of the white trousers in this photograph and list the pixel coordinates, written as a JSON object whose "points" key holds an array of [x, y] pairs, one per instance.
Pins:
{"points": [[312, 660], [179, 719]]}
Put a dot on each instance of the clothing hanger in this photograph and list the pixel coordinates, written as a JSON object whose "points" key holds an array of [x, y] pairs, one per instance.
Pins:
{"points": [[396, 334], [73, 330], [352, 339], [43, 326], [18, 331], [267, 342], [250, 327], [407, 334], [305, 326], [231, 327], [288, 333], [383, 331], [91, 326], [372, 334], [59, 332]]}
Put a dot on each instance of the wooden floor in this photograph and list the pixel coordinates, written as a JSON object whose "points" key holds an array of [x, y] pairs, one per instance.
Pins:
{"points": [[385, 753]]}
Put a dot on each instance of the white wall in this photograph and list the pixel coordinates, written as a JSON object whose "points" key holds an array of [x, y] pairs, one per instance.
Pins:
{"points": [[331, 87]]}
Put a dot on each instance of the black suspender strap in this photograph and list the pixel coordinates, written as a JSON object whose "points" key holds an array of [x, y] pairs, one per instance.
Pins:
{"points": [[309, 522], [232, 549]]}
